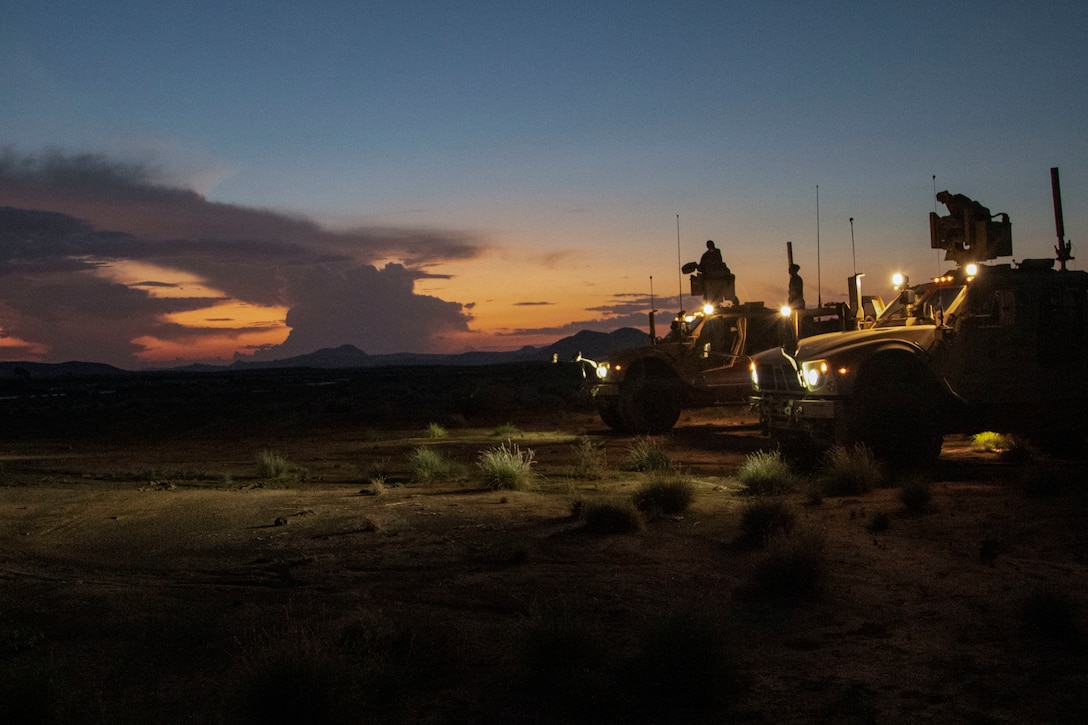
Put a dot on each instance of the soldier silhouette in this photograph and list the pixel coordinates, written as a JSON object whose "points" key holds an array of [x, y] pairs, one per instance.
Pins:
{"points": [[711, 264], [796, 289]]}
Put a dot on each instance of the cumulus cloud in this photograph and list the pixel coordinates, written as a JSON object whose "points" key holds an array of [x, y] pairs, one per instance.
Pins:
{"points": [[66, 219]]}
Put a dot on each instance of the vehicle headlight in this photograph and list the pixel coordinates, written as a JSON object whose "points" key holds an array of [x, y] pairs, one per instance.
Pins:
{"points": [[754, 373], [602, 370], [814, 373]]}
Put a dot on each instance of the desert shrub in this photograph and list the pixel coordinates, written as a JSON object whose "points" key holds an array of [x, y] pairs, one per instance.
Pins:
{"points": [[685, 669], [767, 473], [589, 459], [763, 519], [664, 495], [436, 430], [430, 466], [271, 465], [1051, 614], [644, 454], [850, 471], [508, 467], [506, 430], [990, 442], [794, 567], [611, 517], [916, 494]]}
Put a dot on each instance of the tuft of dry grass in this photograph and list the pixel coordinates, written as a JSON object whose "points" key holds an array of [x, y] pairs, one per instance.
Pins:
{"points": [[763, 519], [430, 466], [767, 473], [991, 442], [508, 467], [271, 465], [589, 458], [645, 455], [850, 471], [664, 496]]}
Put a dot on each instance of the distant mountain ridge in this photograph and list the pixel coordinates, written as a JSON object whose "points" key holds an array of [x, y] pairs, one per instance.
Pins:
{"points": [[591, 344]]}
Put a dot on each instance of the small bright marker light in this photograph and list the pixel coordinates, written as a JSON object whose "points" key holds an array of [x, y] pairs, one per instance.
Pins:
{"points": [[708, 309], [898, 279], [971, 269], [785, 310]]}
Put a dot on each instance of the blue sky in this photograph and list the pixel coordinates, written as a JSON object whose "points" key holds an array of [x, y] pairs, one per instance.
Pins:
{"points": [[520, 165]]}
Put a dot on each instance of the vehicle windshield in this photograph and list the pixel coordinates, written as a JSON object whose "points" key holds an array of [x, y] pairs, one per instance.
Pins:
{"points": [[929, 303]]}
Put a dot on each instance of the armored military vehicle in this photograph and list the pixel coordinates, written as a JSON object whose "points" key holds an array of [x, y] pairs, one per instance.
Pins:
{"points": [[999, 347], [703, 360]]}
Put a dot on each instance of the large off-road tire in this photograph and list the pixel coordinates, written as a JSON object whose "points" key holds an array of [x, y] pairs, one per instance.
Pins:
{"points": [[895, 410], [651, 403], [609, 409]]}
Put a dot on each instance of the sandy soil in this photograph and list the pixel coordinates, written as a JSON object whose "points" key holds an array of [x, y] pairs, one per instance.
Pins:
{"points": [[161, 580]]}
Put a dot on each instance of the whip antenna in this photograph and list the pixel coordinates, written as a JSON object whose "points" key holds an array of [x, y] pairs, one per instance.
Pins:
{"points": [[935, 211], [819, 290], [679, 264], [653, 324]]}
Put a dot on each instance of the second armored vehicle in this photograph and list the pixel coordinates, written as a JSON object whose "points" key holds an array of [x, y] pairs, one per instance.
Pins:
{"points": [[703, 360]]}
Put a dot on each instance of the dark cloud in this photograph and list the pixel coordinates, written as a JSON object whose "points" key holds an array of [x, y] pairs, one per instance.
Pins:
{"points": [[113, 195], [63, 218], [533, 304], [373, 309]]}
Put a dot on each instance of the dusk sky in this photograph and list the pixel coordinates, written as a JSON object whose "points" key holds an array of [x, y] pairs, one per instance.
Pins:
{"points": [[258, 180]]}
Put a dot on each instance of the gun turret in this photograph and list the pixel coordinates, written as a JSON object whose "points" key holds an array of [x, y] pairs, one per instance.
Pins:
{"points": [[970, 233]]}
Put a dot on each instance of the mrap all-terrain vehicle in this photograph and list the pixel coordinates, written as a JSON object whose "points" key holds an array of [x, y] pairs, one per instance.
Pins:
{"points": [[986, 347], [703, 360]]}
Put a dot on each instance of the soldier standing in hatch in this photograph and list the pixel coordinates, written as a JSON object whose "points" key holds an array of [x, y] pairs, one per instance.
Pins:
{"points": [[797, 288], [711, 264]]}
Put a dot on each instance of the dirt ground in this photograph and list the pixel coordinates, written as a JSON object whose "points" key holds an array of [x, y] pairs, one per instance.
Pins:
{"points": [[160, 579]]}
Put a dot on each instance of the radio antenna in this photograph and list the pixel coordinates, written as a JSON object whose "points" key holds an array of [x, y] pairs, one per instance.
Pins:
{"points": [[819, 286], [679, 264], [653, 329], [935, 211]]}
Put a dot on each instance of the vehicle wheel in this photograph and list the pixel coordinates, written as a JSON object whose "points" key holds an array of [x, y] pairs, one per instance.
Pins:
{"points": [[609, 410], [651, 404], [895, 411]]}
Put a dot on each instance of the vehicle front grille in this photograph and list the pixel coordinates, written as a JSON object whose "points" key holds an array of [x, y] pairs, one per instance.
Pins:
{"points": [[778, 378]]}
